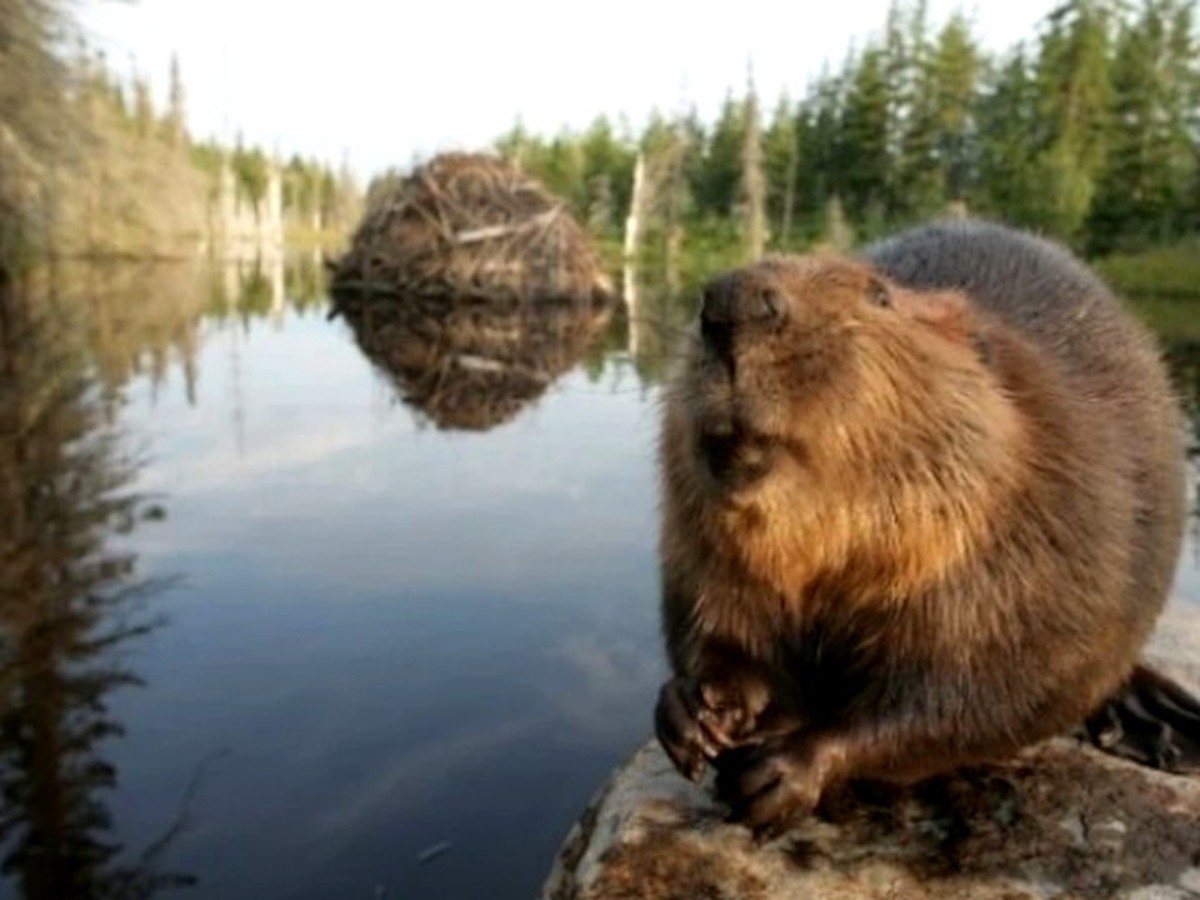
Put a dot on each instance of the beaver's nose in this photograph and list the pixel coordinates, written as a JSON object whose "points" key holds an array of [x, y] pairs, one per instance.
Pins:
{"points": [[735, 300]]}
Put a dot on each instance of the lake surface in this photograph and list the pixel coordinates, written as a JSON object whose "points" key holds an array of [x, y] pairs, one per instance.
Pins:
{"points": [[377, 657]]}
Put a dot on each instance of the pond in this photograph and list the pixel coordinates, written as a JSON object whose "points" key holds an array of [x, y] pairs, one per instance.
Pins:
{"points": [[338, 644]]}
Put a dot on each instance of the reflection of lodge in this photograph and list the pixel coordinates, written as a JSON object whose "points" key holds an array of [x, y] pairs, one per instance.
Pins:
{"points": [[472, 364], [65, 601]]}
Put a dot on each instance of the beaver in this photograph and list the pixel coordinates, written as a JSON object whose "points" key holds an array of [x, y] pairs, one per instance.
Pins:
{"points": [[920, 509]]}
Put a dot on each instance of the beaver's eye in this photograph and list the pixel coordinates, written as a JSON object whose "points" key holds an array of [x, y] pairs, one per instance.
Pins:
{"points": [[879, 295]]}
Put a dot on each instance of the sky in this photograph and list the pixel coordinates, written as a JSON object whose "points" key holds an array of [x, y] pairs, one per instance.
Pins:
{"points": [[380, 83]]}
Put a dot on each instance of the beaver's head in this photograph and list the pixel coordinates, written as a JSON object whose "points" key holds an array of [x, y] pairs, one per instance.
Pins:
{"points": [[819, 364]]}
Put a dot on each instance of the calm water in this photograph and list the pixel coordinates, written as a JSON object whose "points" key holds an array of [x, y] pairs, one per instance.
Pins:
{"points": [[377, 641]]}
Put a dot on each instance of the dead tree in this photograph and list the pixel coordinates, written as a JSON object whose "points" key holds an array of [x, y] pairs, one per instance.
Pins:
{"points": [[753, 186]]}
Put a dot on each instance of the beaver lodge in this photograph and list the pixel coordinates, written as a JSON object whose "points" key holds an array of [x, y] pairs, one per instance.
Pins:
{"points": [[475, 226]]}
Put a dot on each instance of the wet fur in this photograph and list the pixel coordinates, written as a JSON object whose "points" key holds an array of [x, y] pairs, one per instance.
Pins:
{"points": [[972, 514]]}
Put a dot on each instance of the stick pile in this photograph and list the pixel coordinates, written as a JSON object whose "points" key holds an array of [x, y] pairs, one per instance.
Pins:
{"points": [[470, 226]]}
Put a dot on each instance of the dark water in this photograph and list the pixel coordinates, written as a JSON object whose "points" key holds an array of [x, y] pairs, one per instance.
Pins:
{"points": [[366, 640]]}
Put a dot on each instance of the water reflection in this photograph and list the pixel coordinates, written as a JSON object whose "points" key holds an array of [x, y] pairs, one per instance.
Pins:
{"points": [[146, 320], [471, 364], [266, 286], [70, 603]]}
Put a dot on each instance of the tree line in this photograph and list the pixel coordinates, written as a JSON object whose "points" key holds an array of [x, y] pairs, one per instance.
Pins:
{"points": [[91, 166], [1089, 131]]}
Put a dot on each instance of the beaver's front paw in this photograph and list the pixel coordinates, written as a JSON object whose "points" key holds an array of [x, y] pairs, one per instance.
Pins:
{"points": [[697, 721], [769, 787]]}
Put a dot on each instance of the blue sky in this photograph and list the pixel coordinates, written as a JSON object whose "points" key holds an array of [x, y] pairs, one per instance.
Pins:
{"points": [[379, 83]]}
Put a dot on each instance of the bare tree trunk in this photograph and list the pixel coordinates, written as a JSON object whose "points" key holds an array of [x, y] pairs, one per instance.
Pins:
{"points": [[633, 245], [673, 209], [637, 208], [673, 255], [958, 210], [753, 183], [838, 235], [673, 231]]}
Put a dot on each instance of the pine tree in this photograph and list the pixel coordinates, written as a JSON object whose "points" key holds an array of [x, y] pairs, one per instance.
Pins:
{"points": [[863, 141], [561, 166], [956, 66], [919, 179], [781, 160], [910, 136], [607, 174], [516, 145], [1142, 192], [1007, 117], [1074, 93], [819, 126], [716, 180]]}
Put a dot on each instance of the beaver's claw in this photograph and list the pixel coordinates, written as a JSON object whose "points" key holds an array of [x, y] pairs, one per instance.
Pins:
{"points": [[771, 786], [694, 725]]}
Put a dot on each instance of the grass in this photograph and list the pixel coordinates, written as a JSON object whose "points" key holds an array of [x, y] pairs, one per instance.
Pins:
{"points": [[1175, 318], [1163, 285], [1172, 270]]}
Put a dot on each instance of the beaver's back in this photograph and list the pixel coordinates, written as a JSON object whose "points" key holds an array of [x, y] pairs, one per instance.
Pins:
{"points": [[1108, 361]]}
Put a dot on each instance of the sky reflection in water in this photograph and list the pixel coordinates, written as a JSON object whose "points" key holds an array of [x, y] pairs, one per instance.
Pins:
{"points": [[402, 636]]}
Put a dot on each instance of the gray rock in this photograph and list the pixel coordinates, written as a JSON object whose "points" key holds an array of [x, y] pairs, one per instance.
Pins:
{"points": [[1061, 820]]}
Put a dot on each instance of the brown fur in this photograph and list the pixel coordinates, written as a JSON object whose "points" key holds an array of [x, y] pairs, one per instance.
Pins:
{"points": [[970, 513]]}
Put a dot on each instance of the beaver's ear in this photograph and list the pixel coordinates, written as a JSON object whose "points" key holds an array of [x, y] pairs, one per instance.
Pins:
{"points": [[947, 312], [879, 294]]}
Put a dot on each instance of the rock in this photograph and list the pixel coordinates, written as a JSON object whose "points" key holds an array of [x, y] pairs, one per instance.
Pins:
{"points": [[1061, 820]]}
